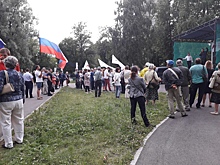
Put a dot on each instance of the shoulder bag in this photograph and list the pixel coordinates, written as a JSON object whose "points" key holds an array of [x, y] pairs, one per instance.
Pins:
{"points": [[179, 87], [153, 83], [139, 88], [8, 87]]}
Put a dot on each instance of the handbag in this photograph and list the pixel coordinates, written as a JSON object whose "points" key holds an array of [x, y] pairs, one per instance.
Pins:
{"points": [[216, 85], [8, 87], [212, 82], [153, 83]]}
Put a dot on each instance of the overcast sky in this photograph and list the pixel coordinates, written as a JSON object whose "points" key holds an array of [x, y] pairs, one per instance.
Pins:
{"points": [[56, 17]]}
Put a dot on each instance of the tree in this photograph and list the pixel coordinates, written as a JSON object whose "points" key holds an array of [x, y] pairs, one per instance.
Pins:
{"points": [[190, 13], [17, 29], [82, 39], [133, 31], [162, 35]]}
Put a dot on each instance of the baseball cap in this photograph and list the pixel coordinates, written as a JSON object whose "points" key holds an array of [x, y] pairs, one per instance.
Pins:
{"points": [[147, 64], [170, 62]]}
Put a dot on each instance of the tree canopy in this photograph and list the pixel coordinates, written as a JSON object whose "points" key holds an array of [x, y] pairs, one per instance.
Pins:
{"points": [[142, 32]]}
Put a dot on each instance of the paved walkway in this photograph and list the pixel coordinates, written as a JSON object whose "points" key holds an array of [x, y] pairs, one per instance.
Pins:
{"points": [[32, 104], [193, 140]]}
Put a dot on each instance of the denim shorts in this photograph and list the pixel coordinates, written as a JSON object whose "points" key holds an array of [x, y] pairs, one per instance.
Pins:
{"points": [[39, 85]]}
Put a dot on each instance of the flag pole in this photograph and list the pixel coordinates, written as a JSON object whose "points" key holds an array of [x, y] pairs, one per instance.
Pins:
{"points": [[39, 42]]}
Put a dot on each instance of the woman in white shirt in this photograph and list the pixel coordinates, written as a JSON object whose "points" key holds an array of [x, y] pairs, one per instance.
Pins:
{"points": [[189, 60], [117, 82]]}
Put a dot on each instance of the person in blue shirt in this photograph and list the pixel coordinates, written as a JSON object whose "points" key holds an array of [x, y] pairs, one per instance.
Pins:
{"points": [[62, 78], [198, 73]]}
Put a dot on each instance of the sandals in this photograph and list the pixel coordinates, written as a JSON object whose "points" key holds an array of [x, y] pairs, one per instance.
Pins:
{"points": [[40, 98]]}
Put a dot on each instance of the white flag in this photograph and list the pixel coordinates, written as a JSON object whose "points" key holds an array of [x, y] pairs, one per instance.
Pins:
{"points": [[86, 65], [102, 64], [116, 61]]}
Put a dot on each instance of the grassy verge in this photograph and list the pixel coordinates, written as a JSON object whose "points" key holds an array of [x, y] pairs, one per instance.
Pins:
{"points": [[77, 128]]}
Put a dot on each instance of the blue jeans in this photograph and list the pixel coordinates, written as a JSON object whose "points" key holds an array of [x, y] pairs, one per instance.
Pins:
{"points": [[117, 91]]}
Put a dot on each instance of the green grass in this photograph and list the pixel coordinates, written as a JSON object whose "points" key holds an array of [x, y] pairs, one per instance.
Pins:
{"points": [[77, 128]]}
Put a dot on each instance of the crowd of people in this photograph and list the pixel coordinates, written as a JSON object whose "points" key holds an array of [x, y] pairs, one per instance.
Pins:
{"points": [[140, 86], [121, 81]]}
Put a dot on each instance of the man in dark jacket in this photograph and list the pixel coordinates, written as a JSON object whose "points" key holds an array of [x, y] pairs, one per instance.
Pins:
{"points": [[173, 78], [185, 84]]}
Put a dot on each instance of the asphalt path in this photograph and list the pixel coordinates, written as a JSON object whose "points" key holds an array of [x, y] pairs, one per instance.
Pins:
{"points": [[192, 140], [32, 104]]}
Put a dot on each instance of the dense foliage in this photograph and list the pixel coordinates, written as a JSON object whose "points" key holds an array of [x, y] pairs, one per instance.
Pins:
{"points": [[142, 32]]}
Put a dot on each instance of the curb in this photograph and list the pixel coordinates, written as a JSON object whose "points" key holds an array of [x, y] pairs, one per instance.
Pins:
{"points": [[42, 103], [138, 152]]}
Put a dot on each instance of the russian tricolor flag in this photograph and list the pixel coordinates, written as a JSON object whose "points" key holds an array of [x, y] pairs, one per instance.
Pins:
{"points": [[49, 47], [2, 44]]}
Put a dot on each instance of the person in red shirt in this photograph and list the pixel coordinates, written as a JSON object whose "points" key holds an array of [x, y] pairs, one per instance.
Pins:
{"points": [[4, 52]]}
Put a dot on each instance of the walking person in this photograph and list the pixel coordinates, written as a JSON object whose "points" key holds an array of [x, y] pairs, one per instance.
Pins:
{"points": [[198, 73], [173, 78], [98, 82], [11, 104], [28, 79], [185, 84], [137, 90], [117, 82]]}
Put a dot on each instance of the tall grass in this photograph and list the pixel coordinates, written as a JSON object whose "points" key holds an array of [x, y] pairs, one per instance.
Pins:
{"points": [[77, 128]]}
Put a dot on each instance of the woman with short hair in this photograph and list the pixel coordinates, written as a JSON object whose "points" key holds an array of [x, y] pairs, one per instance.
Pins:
{"points": [[137, 90], [11, 104]]}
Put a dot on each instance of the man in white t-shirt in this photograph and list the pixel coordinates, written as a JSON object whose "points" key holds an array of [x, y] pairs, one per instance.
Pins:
{"points": [[39, 81]]}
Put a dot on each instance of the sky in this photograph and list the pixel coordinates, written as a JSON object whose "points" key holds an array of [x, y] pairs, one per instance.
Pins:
{"points": [[57, 17]]}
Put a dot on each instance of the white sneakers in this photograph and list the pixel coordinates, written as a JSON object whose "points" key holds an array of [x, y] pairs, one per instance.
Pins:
{"points": [[214, 113]]}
